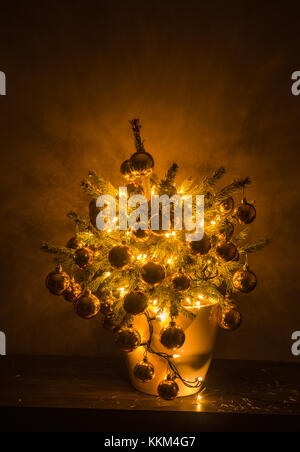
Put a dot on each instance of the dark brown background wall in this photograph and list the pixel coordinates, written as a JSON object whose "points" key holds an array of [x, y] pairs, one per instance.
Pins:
{"points": [[211, 84]]}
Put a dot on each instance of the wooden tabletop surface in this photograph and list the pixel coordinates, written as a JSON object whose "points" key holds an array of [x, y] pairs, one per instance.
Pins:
{"points": [[53, 390]]}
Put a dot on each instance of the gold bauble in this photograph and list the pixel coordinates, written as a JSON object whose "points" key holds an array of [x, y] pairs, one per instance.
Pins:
{"points": [[246, 213], [135, 302], [168, 389], [244, 280], [225, 251], [153, 273], [126, 171], [144, 371], [106, 306], [87, 306], [172, 336], [109, 323], [128, 339], [229, 318], [57, 281], [181, 282], [73, 292], [84, 257], [226, 206], [141, 164], [201, 247], [141, 235], [119, 257]]}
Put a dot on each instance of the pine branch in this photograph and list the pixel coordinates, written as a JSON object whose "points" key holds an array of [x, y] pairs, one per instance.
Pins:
{"points": [[168, 183], [61, 250], [136, 127], [96, 186], [217, 175], [209, 182], [257, 246], [242, 235], [82, 223], [231, 188]]}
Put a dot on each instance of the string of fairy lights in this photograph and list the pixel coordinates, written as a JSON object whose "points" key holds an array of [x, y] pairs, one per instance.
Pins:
{"points": [[122, 275]]}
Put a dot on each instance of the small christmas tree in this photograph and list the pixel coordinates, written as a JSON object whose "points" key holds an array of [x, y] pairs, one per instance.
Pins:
{"points": [[124, 273]]}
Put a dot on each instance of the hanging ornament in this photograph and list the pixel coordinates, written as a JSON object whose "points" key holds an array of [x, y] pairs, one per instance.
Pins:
{"points": [[109, 323], [135, 302], [168, 389], [119, 256], [74, 243], [225, 251], [141, 235], [227, 230], [141, 162], [84, 257], [201, 247], [226, 206], [126, 170], [244, 280], [73, 292], [153, 273], [172, 336], [87, 306], [181, 282], [58, 281], [128, 339], [246, 212], [144, 371], [229, 318], [134, 189]]}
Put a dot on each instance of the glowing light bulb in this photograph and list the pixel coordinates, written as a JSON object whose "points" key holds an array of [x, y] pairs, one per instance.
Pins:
{"points": [[200, 296], [176, 356], [199, 397], [200, 379], [154, 302], [167, 235], [212, 222], [163, 316]]}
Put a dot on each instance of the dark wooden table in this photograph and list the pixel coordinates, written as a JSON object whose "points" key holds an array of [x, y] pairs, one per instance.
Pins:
{"points": [[87, 394]]}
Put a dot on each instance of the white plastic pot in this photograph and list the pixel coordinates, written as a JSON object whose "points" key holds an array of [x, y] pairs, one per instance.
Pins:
{"points": [[192, 359]]}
